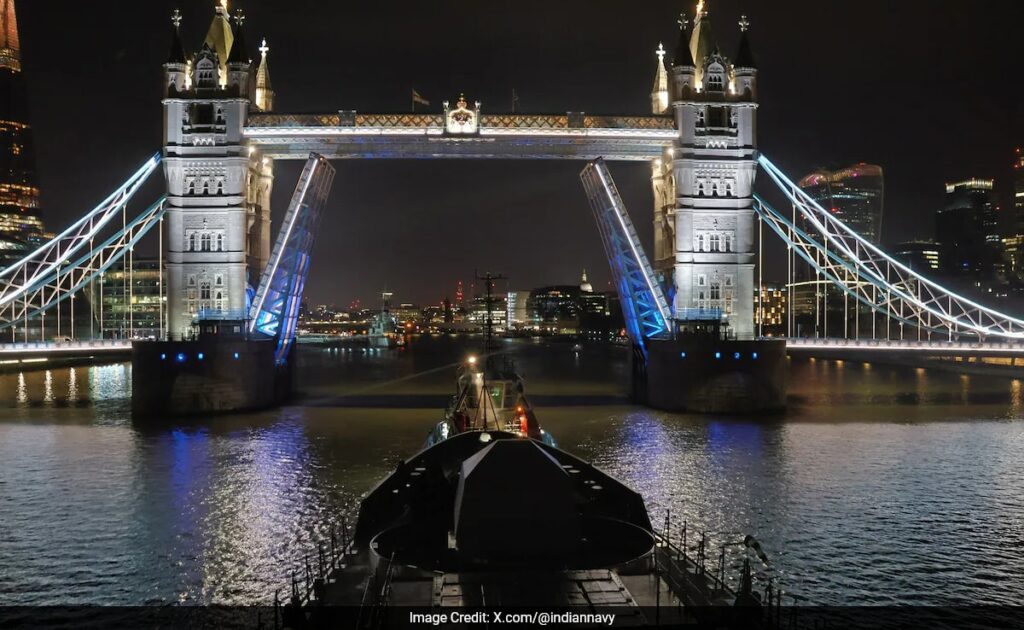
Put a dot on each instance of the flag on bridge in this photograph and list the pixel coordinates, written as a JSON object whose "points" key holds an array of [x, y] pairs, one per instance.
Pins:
{"points": [[418, 98]]}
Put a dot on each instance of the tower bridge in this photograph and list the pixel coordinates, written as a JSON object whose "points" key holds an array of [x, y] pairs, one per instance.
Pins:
{"points": [[689, 305]]}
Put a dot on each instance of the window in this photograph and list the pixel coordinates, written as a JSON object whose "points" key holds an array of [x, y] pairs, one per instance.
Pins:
{"points": [[218, 280], [727, 243], [206, 240], [700, 242], [716, 291], [702, 280], [204, 290], [700, 117], [191, 241], [716, 83], [714, 242], [220, 243], [191, 279]]}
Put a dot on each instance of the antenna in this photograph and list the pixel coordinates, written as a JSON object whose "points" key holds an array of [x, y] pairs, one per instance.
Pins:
{"points": [[488, 279]]}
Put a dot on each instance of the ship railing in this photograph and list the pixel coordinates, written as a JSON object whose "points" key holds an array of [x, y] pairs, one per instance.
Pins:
{"points": [[309, 584], [688, 577]]}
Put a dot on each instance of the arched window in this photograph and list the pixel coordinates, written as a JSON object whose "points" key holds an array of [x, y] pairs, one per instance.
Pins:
{"points": [[700, 242], [728, 242], [715, 243], [204, 290], [192, 242], [716, 83], [205, 241]]}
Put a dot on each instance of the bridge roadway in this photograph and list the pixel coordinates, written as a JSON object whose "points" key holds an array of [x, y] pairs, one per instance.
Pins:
{"points": [[908, 348], [30, 355], [498, 136]]}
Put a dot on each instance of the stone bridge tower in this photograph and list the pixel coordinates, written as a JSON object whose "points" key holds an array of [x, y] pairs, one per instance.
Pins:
{"points": [[218, 189], [703, 186]]}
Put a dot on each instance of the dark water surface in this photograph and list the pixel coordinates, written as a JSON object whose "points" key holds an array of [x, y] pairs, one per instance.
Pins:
{"points": [[880, 485]]}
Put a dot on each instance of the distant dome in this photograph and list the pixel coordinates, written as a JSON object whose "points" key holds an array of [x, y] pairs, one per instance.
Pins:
{"points": [[584, 285]]}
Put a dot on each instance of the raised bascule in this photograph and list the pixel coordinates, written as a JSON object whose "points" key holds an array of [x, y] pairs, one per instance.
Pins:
{"points": [[232, 302]]}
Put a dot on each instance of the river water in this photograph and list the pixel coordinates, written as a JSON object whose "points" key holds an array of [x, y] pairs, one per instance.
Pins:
{"points": [[879, 485]]}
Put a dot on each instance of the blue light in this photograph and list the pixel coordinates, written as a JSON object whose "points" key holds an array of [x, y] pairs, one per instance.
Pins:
{"points": [[736, 355], [180, 358], [163, 356], [718, 355], [200, 356], [754, 356], [682, 355], [236, 355]]}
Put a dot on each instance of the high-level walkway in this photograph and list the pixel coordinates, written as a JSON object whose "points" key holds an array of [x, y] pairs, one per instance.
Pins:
{"points": [[499, 136]]}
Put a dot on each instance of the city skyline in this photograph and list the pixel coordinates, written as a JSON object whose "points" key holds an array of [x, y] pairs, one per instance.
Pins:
{"points": [[415, 207]]}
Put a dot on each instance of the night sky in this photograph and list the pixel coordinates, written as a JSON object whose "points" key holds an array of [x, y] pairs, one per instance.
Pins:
{"points": [[929, 90]]}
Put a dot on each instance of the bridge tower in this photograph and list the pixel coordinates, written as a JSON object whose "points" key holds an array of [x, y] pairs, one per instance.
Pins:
{"points": [[704, 216], [218, 189]]}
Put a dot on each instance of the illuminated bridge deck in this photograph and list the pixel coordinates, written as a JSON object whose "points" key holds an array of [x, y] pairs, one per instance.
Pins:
{"points": [[498, 136], [35, 354], [906, 348]]}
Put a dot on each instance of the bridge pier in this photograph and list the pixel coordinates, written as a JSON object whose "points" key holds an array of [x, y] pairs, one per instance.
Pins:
{"points": [[705, 374], [220, 372]]}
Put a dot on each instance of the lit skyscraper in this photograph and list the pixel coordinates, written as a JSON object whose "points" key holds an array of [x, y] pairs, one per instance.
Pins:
{"points": [[20, 226], [854, 195], [1013, 245], [968, 228]]}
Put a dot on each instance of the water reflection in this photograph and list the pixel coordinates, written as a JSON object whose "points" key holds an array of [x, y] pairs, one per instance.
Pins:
{"points": [[880, 484]]}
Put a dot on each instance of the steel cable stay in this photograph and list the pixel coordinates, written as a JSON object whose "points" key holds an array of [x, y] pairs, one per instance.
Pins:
{"points": [[833, 266], [70, 278], [48, 258], [955, 314]]}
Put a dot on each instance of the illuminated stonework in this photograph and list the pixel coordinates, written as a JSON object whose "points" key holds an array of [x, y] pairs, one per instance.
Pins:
{"points": [[704, 217], [461, 120], [218, 190]]}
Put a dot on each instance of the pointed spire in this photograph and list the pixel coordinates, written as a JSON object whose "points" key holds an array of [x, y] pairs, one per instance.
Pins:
{"points": [[177, 54], [683, 57], [659, 93], [10, 46], [702, 40], [238, 53], [264, 92], [744, 56], [219, 38]]}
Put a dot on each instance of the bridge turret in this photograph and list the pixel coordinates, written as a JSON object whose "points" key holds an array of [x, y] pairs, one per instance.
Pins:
{"points": [[176, 68], [744, 68], [659, 93], [684, 71], [239, 65]]}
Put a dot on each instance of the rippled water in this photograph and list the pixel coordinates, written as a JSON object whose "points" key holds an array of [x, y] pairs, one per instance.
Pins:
{"points": [[879, 485]]}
